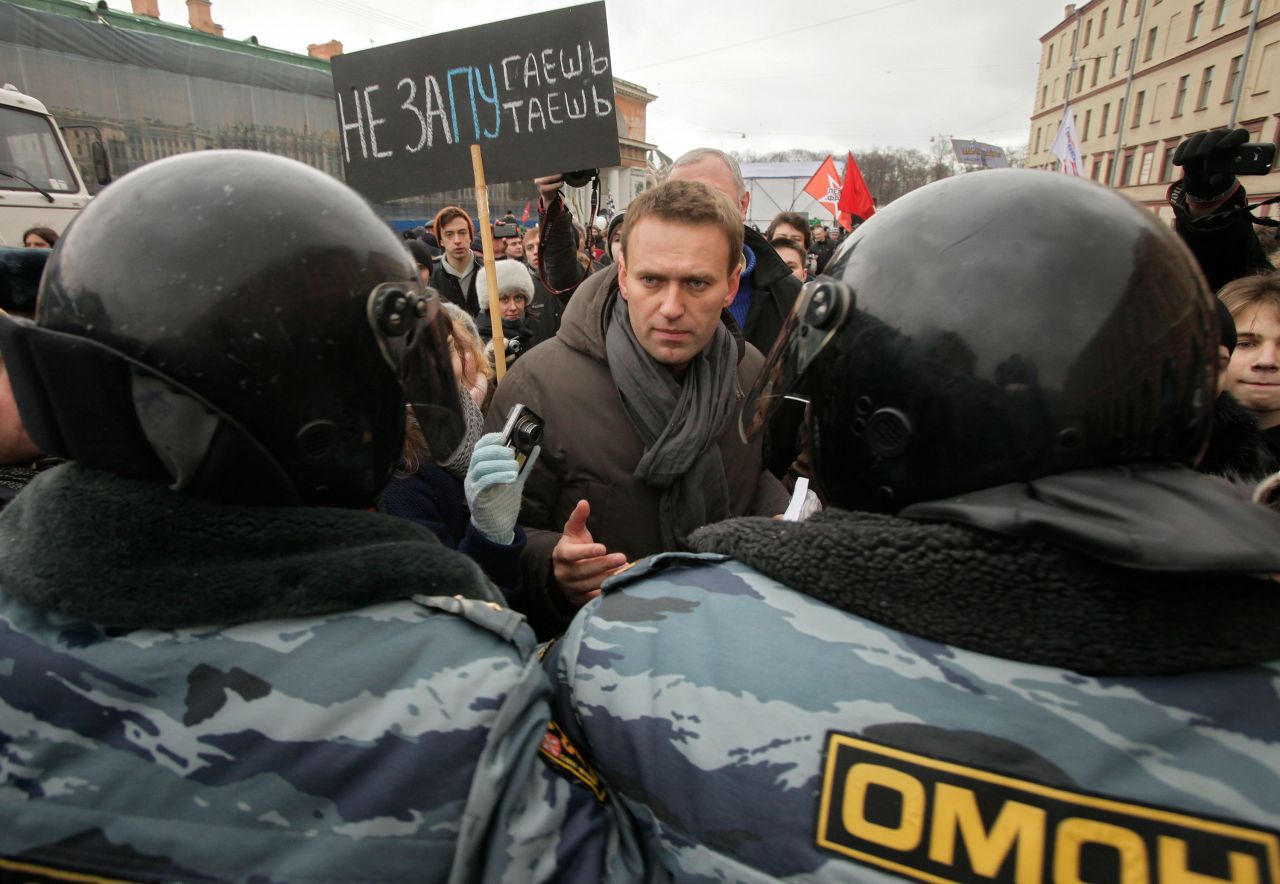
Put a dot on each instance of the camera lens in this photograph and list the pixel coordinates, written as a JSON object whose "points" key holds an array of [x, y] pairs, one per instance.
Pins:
{"points": [[526, 433], [580, 178]]}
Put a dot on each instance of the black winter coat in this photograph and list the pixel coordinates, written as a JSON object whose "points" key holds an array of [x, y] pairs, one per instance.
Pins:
{"points": [[1224, 243], [449, 288]]}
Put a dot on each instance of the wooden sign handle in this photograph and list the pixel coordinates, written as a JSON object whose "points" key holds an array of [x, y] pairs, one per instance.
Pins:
{"points": [[490, 273]]}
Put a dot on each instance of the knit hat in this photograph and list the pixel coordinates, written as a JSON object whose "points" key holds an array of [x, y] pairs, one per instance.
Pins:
{"points": [[511, 275], [614, 223]]}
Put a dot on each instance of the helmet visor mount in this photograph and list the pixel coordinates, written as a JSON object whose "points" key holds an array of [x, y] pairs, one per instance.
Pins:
{"points": [[822, 309], [413, 335]]}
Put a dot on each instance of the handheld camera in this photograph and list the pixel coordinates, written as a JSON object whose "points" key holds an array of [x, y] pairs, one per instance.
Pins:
{"points": [[522, 431], [1254, 158]]}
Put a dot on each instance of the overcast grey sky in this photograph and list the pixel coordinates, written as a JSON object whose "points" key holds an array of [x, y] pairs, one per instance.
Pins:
{"points": [[752, 74]]}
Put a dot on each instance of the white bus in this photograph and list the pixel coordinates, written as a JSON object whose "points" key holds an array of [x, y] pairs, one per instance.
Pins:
{"points": [[40, 185]]}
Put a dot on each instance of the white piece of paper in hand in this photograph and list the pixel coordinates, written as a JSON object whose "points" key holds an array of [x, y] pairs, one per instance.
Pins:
{"points": [[797, 501]]}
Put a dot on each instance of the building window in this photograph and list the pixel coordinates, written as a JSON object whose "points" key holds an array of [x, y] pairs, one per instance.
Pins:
{"points": [[1037, 147], [1220, 17], [1124, 8], [1080, 82], [1115, 61], [1248, 7], [1044, 96], [1093, 81], [1180, 99], [1049, 60], [1102, 123], [1197, 13], [1233, 76], [1088, 118], [1133, 50], [1088, 31], [1206, 83], [1102, 22], [1151, 45], [1138, 101], [1126, 169], [1166, 170]]}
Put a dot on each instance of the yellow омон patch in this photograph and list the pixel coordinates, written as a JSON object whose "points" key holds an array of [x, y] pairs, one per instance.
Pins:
{"points": [[941, 822]]}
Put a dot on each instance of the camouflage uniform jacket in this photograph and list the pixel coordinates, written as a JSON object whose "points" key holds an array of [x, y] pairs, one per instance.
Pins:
{"points": [[394, 740], [758, 733]]}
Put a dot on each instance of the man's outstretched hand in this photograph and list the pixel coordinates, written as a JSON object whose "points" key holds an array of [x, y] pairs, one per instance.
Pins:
{"points": [[580, 564]]}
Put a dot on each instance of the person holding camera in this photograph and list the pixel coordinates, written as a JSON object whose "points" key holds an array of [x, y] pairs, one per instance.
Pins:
{"points": [[503, 236], [471, 498], [520, 331], [639, 391], [471, 502], [1212, 210]]}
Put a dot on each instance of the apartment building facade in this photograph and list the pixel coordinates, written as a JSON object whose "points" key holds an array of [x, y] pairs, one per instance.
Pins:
{"points": [[1141, 75]]}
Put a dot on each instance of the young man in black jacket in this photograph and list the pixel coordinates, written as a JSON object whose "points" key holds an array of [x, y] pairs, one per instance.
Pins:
{"points": [[455, 276]]}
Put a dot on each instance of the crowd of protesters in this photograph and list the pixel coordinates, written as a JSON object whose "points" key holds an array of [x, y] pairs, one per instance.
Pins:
{"points": [[314, 567]]}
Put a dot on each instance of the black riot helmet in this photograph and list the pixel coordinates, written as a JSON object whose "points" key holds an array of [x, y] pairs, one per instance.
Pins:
{"points": [[993, 328], [239, 326]]}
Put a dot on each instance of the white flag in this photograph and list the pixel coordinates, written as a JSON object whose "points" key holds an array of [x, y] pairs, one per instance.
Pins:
{"points": [[1067, 145]]}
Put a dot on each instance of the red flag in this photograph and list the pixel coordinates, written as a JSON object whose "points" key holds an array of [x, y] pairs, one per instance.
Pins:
{"points": [[525, 217], [824, 186], [855, 199]]}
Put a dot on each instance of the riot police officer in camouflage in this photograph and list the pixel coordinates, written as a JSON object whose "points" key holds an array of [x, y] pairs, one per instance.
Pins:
{"points": [[1028, 642], [215, 662]]}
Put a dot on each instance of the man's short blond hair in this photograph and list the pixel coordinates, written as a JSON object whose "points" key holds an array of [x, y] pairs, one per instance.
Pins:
{"points": [[688, 202], [1249, 291]]}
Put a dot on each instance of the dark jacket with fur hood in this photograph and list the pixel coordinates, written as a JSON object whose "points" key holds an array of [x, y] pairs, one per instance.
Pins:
{"points": [[590, 449]]}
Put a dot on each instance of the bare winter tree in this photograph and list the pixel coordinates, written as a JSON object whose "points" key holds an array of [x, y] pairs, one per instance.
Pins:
{"points": [[790, 155], [893, 171], [943, 156]]}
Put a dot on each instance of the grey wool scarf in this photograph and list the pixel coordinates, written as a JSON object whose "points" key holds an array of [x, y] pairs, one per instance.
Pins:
{"points": [[679, 424]]}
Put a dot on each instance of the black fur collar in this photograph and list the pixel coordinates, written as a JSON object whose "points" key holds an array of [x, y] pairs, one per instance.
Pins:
{"points": [[1011, 597], [129, 554]]}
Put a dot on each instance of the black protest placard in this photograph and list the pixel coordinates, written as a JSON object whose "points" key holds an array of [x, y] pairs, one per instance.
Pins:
{"points": [[536, 93]]}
